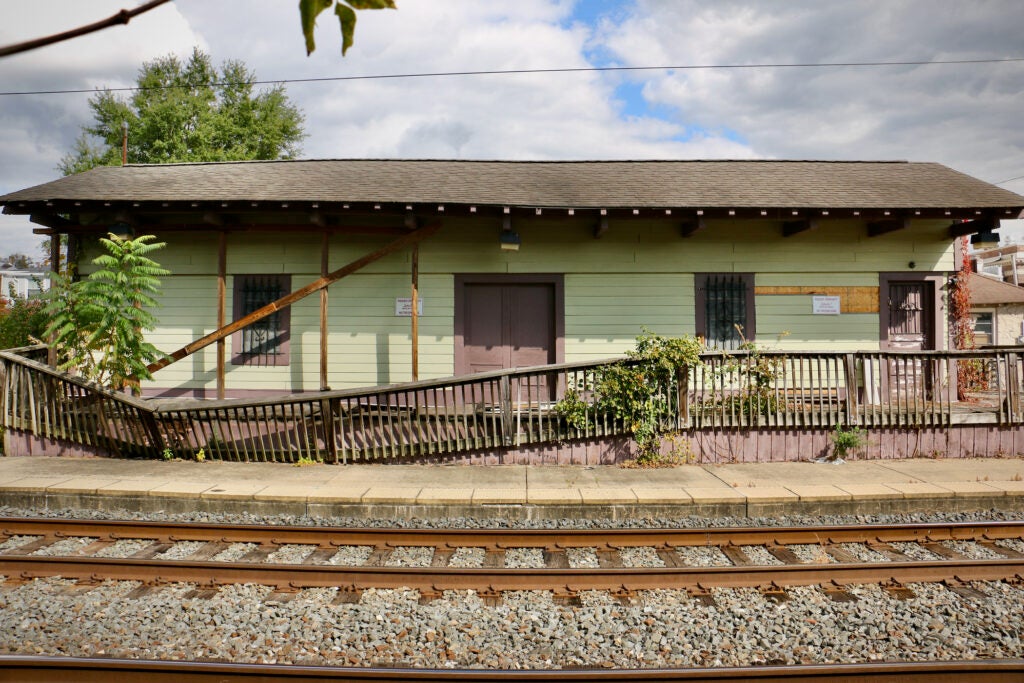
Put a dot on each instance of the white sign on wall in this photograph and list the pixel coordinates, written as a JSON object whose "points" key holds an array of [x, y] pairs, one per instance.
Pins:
{"points": [[403, 307], [825, 305]]}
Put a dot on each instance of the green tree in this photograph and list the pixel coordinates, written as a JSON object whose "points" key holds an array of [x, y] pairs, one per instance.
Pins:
{"points": [[189, 111], [22, 322], [97, 323], [19, 261]]}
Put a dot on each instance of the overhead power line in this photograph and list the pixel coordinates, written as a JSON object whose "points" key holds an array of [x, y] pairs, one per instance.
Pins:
{"points": [[507, 72], [1003, 182]]}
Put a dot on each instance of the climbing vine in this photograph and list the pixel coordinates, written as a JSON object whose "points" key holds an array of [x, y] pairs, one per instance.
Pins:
{"points": [[747, 381], [970, 373]]}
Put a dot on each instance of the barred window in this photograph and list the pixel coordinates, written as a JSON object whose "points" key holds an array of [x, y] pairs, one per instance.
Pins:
{"points": [[725, 309], [265, 342]]}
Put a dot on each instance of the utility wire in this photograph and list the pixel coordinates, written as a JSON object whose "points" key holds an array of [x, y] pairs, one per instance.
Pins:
{"points": [[506, 72], [1003, 182]]}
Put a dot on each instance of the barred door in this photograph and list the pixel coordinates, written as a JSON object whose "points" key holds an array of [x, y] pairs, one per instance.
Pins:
{"points": [[910, 323], [908, 319]]}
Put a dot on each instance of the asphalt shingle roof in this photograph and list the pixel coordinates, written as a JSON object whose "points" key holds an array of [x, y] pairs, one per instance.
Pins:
{"points": [[986, 291], [580, 184]]}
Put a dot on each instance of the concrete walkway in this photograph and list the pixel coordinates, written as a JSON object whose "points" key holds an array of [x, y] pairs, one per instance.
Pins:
{"points": [[516, 492]]}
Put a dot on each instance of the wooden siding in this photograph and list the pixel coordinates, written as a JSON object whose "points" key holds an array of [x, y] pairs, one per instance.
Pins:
{"points": [[640, 273], [605, 312]]}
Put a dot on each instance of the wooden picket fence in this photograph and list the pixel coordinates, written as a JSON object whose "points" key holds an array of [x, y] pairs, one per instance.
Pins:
{"points": [[511, 408]]}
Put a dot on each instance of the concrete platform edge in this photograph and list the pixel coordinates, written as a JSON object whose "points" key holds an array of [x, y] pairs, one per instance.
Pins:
{"points": [[519, 512]]}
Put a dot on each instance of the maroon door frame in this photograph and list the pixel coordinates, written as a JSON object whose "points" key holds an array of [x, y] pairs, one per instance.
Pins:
{"points": [[557, 280], [936, 314]]}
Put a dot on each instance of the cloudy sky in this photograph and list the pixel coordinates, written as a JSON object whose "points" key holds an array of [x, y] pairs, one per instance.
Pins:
{"points": [[967, 116]]}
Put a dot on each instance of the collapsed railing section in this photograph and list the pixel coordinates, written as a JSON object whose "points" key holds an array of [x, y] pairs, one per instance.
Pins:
{"points": [[55, 405], [420, 419], [516, 408]]}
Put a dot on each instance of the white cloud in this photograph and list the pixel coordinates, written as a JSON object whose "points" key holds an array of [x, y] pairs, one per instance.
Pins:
{"points": [[37, 130], [964, 116]]}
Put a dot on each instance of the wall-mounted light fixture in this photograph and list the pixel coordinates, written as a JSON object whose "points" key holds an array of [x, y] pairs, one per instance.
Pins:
{"points": [[508, 239]]}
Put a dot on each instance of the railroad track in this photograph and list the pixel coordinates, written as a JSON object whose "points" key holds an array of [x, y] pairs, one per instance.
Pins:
{"points": [[770, 559], [88, 670]]}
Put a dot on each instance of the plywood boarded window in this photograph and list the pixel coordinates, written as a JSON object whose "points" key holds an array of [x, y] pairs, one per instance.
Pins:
{"points": [[265, 342], [725, 309]]}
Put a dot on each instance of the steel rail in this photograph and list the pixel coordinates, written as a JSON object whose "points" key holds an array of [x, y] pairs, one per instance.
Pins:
{"points": [[497, 539], [25, 669], [493, 581]]}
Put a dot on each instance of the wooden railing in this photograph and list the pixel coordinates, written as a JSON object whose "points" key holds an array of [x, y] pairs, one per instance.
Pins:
{"points": [[38, 399], [512, 408]]}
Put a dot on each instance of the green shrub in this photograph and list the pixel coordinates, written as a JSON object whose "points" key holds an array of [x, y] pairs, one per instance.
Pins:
{"points": [[636, 391], [99, 323], [846, 440], [22, 323]]}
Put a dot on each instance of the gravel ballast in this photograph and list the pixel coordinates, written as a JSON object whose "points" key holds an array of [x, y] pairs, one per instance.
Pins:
{"points": [[523, 630]]}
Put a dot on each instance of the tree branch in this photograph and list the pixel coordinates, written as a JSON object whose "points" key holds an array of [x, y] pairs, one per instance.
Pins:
{"points": [[122, 17]]}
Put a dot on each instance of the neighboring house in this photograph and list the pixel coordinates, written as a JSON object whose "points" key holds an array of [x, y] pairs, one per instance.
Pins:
{"points": [[997, 309], [1004, 263], [22, 284], [531, 262]]}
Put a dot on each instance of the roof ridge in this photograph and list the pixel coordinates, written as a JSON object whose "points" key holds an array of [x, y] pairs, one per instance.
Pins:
{"points": [[525, 161], [757, 183]]}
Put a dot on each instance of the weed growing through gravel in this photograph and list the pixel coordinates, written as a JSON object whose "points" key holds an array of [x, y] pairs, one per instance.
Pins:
{"points": [[844, 441]]}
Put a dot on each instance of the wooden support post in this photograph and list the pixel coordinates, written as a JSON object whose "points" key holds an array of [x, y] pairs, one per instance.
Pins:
{"points": [[1012, 388], [683, 397], [505, 387], [55, 252], [851, 411], [222, 289], [324, 253], [330, 427], [297, 295], [51, 351], [156, 438], [415, 312]]}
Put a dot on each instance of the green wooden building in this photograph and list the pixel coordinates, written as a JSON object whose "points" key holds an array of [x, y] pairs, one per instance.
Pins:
{"points": [[521, 263]]}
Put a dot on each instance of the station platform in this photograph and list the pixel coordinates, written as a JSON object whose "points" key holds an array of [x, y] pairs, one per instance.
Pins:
{"points": [[516, 492]]}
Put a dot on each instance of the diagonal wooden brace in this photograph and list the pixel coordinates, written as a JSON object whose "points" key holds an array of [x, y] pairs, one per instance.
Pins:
{"points": [[287, 300]]}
